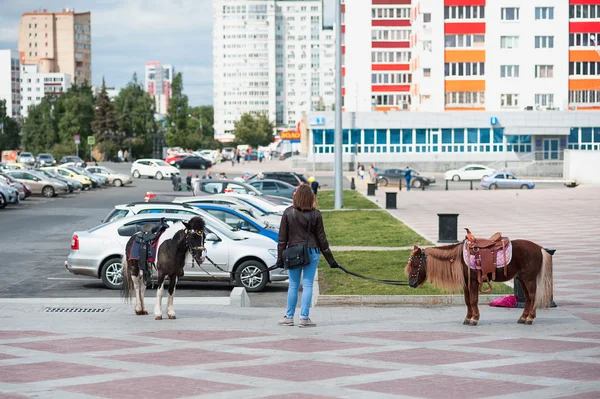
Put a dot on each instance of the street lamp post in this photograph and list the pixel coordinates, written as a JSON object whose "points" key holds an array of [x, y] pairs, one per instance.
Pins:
{"points": [[338, 165]]}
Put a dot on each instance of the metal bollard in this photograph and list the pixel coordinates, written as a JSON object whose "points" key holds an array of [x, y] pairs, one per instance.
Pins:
{"points": [[371, 189], [390, 200], [399, 184], [448, 228], [446, 185], [352, 184], [471, 182]]}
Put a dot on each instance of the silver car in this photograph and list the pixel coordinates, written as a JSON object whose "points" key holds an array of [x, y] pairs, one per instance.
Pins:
{"points": [[39, 183], [26, 158], [114, 178], [8, 195], [98, 252]]}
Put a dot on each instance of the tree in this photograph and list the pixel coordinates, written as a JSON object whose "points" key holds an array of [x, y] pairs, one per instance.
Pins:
{"points": [[105, 128], [180, 132], [9, 130], [135, 116], [39, 131], [320, 105], [254, 130], [73, 114], [206, 115]]}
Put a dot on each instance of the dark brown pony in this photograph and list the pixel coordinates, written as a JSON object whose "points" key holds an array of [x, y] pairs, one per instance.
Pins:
{"points": [[445, 268], [170, 262]]}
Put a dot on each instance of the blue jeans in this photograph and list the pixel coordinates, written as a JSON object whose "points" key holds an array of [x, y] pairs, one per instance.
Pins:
{"points": [[308, 275], [408, 184]]}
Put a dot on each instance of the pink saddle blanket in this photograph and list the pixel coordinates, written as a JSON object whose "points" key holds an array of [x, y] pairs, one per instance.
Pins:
{"points": [[501, 256]]}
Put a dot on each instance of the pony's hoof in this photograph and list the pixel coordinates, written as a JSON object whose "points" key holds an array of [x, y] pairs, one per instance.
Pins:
{"points": [[521, 321], [156, 317], [144, 312], [172, 316], [528, 322], [140, 312], [467, 322], [473, 322]]}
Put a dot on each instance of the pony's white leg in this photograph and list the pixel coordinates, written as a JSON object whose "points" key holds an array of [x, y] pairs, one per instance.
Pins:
{"points": [[170, 309], [138, 301], [143, 292], [158, 306]]}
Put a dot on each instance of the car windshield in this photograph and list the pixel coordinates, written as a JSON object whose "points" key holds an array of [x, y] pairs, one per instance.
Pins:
{"points": [[265, 205], [105, 170], [252, 213], [161, 163]]}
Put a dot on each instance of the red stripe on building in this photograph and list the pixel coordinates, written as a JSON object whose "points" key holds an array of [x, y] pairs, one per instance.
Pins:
{"points": [[390, 22], [386, 88], [584, 2], [343, 28], [343, 49], [389, 2], [464, 28], [343, 8], [584, 27], [390, 44], [343, 91], [390, 67], [464, 2], [343, 71]]}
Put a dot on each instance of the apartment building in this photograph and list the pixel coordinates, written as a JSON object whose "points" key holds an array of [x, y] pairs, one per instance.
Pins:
{"points": [[58, 42], [158, 81], [10, 82], [35, 85], [270, 57]]}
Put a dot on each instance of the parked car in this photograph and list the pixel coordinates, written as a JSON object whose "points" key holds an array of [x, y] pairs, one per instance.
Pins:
{"points": [[134, 208], [227, 153], [85, 181], [171, 159], [114, 178], [273, 218], [49, 175], [71, 159], [12, 166], [220, 186], [21, 188], [293, 178], [468, 172], [505, 180], [211, 155], [45, 160], [53, 173], [26, 158], [274, 187], [97, 180], [8, 195], [193, 162], [97, 253], [39, 183], [241, 218], [393, 177], [156, 168], [285, 155]]}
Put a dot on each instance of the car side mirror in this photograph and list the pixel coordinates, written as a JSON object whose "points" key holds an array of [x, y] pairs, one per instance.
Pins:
{"points": [[212, 237]]}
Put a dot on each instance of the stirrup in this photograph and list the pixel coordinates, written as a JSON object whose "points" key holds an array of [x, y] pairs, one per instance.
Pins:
{"points": [[488, 290]]}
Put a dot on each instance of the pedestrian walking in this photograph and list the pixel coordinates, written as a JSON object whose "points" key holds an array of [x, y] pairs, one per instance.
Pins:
{"points": [[176, 180], [207, 176], [233, 157], [361, 172], [314, 185], [302, 230], [188, 179], [407, 177], [372, 173], [196, 187]]}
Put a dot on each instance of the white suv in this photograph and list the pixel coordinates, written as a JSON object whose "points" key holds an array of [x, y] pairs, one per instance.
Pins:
{"points": [[156, 168]]}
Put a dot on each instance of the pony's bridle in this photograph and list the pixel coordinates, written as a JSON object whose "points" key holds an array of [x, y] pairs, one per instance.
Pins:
{"points": [[194, 250], [422, 262]]}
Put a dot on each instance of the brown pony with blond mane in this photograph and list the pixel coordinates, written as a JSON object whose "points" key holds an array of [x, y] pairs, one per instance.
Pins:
{"points": [[444, 267]]}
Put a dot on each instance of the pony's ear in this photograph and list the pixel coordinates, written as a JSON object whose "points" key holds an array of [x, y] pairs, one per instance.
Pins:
{"points": [[186, 224], [415, 247]]}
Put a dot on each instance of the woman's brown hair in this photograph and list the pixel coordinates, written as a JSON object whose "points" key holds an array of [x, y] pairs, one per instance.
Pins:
{"points": [[304, 198]]}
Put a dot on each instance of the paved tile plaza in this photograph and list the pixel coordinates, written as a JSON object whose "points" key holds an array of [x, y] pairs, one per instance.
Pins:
{"points": [[218, 351]]}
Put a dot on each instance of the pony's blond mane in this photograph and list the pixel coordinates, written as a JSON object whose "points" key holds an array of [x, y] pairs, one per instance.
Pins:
{"points": [[444, 267]]}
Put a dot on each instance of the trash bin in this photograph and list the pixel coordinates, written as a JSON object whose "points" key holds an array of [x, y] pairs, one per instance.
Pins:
{"points": [[448, 228], [390, 200], [371, 189]]}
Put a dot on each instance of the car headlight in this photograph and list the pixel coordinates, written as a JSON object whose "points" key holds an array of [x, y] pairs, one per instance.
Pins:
{"points": [[273, 253]]}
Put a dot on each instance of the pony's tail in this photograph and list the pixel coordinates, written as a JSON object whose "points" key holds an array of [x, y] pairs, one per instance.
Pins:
{"points": [[543, 294], [127, 286]]}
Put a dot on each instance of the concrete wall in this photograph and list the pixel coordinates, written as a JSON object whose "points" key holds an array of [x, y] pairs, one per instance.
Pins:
{"points": [[582, 166]]}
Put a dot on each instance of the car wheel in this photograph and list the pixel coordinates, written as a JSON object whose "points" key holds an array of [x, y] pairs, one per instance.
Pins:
{"points": [[3, 201], [118, 183], [524, 187], [382, 182], [456, 178], [417, 183], [251, 276], [136, 174], [158, 176], [112, 273], [493, 186], [48, 191]]}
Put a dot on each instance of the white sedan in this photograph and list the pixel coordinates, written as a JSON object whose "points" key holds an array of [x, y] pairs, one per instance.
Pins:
{"points": [[469, 172], [98, 252], [156, 168], [115, 178]]}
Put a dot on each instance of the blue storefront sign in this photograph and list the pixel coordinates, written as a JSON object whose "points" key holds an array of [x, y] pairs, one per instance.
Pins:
{"points": [[317, 120], [493, 120]]}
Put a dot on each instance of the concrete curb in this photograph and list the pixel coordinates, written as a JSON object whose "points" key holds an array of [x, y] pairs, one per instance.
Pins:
{"points": [[399, 300], [74, 302], [239, 298]]}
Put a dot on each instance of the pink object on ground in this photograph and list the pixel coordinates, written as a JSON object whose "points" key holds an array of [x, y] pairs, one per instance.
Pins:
{"points": [[509, 301]]}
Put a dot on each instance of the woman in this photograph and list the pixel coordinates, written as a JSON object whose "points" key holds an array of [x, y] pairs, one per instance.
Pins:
{"points": [[294, 231]]}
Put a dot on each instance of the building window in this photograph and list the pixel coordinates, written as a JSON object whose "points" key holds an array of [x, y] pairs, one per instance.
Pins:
{"points": [[509, 42], [584, 97], [584, 68], [464, 69], [583, 39], [544, 12], [464, 12], [464, 41], [544, 100], [509, 13], [465, 98], [427, 17], [544, 71], [509, 71], [509, 100], [427, 72], [544, 42], [584, 11]]}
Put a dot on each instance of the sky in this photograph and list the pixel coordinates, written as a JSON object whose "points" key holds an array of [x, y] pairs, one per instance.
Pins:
{"points": [[128, 33]]}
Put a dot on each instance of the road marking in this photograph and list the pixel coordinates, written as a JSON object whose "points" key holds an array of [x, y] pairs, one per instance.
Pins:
{"points": [[68, 279]]}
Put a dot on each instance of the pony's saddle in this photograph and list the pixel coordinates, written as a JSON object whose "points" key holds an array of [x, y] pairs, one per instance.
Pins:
{"points": [[144, 246], [485, 253]]}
